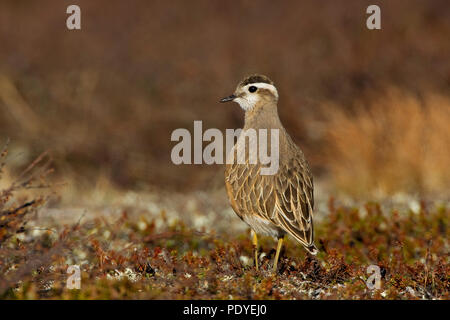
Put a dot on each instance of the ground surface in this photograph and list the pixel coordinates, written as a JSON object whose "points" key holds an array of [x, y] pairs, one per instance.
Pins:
{"points": [[146, 252]]}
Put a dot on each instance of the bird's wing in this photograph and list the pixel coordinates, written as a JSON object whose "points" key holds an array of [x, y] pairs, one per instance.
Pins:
{"points": [[294, 201], [248, 191], [285, 199]]}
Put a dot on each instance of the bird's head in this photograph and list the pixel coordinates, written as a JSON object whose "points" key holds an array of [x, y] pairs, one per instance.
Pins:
{"points": [[252, 91]]}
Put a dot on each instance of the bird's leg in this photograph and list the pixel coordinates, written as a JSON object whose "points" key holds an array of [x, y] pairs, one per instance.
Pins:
{"points": [[277, 255], [255, 244]]}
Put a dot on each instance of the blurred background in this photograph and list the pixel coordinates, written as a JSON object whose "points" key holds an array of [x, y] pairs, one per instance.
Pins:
{"points": [[370, 109]]}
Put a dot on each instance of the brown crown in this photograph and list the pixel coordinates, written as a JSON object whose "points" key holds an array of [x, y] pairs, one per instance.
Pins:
{"points": [[255, 79]]}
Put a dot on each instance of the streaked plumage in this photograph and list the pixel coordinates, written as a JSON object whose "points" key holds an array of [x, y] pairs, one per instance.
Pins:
{"points": [[271, 204]]}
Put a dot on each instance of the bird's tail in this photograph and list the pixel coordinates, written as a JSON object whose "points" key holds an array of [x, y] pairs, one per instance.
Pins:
{"points": [[312, 249]]}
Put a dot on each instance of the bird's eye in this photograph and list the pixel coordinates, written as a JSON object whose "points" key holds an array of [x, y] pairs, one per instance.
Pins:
{"points": [[252, 89]]}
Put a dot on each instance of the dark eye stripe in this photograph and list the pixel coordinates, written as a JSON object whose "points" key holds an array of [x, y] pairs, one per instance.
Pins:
{"points": [[252, 89]]}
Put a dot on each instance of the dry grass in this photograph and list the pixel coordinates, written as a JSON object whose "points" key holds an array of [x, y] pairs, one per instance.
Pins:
{"points": [[18, 207], [106, 99], [394, 142], [133, 259], [143, 255]]}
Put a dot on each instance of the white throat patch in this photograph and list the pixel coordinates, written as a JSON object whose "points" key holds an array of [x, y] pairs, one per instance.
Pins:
{"points": [[249, 100]]}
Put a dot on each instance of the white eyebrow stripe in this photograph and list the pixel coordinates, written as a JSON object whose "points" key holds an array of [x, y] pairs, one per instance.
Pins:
{"points": [[263, 85]]}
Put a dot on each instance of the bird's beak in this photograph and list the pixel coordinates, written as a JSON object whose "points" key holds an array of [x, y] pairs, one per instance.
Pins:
{"points": [[229, 98]]}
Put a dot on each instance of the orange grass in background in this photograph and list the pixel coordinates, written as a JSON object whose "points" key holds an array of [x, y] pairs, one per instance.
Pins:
{"points": [[397, 141]]}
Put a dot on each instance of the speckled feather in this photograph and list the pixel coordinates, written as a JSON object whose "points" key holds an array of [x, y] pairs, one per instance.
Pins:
{"points": [[273, 204]]}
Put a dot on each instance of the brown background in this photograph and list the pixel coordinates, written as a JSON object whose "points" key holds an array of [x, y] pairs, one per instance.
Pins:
{"points": [[104, 100]]}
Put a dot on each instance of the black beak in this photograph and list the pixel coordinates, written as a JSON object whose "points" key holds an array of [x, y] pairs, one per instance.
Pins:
{"points": [[229, 98]]}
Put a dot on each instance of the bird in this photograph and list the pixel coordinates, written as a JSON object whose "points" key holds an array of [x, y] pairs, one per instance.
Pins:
{"points": [[276, 204]]}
